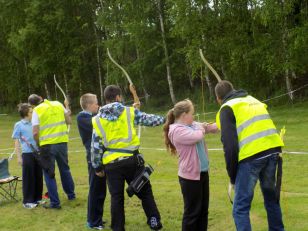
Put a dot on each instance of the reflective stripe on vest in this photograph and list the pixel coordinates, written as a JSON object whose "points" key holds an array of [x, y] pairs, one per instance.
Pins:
{"points": [[52, 125], [119, 134], [255, 129]]}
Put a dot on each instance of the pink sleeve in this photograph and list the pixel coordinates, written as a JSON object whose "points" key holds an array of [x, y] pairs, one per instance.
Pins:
{"points": [[211, 128], [187, 135]]}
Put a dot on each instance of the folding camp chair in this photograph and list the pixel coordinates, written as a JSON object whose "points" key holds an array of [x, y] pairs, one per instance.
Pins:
{"points": [[8, 183]]}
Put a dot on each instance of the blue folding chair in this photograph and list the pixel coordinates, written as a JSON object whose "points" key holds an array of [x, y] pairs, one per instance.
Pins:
{"points": [[8, 183]]}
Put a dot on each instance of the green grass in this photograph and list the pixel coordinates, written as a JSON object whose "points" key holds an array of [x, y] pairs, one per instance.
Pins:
{"points": [[294, 197]]}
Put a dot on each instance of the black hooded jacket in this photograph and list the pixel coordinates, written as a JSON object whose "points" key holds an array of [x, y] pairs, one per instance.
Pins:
{"points": [[229, 137]]}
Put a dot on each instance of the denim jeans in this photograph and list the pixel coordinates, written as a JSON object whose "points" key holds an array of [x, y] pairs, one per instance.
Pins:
{"points": [[58, 152], [247, 175]]}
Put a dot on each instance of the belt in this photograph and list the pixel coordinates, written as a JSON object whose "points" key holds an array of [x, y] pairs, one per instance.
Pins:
{"points": [[119, 159]]}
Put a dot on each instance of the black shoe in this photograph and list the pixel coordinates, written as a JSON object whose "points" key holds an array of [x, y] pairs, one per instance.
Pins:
{"points": [[154, 223], [51, 207]]}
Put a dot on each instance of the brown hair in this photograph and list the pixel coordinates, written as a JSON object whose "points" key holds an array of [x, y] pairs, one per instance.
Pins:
{"points": [[23, 109], [222, 88], [111, 92], [34, 100], [86, 100], [179, 108]]}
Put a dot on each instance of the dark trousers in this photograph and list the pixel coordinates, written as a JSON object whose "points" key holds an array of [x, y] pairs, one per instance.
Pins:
{"points": [[58, 152], [96, 198], [196, 203], [32, 179], [116, 177]]}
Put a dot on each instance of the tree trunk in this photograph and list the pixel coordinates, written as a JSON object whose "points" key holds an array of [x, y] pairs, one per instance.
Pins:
{"points": [[286, 54], [46, 91], [209, 84], [80, 87], [19, 82], [288, 84], [65, 84], [223, 68], [27, 77], [169, 79], [56, 93], [66, 89], [142, 78], [191, 82], [99, 66]]}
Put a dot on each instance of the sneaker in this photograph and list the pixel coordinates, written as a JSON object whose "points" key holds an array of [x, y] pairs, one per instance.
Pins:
{"points": [[29, 205], [48, 206], [154, 223], [45, 196], [100, 227], [41, 202]]}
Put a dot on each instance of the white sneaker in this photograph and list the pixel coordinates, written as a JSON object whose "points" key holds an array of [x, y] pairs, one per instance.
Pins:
{"points": [[29, 205], [41, 202]]}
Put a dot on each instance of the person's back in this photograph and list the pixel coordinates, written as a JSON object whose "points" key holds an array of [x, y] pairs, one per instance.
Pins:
{"points": [[49, 121], [53, 128], [115, 138], [252, 146]]}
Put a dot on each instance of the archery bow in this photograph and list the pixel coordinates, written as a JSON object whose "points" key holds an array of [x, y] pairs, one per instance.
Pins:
{"points": [[209, 65], [66, 102], [131, 88]]}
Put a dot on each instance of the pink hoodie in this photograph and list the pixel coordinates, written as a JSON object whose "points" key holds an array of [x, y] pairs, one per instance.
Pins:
{"points": [[184, 138]]}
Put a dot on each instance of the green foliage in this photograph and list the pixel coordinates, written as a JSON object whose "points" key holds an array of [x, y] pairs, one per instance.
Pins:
{"points": [[252, 43]]}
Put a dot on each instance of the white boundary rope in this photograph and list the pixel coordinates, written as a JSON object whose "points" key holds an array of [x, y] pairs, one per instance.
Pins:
{"points": [[165, 150]]}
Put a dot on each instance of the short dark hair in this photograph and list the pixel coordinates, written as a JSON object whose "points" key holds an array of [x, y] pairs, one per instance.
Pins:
{"points": [[223, 88], [34, 99], [111, 92], [23, 109]]}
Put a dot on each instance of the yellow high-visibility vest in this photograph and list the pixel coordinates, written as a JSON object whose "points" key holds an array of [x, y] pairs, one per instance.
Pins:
{"points": [[53, 128], [255, 129], [119, 134]]}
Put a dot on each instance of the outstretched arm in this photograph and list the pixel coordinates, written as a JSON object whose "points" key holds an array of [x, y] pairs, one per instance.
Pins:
{"points": [[149, 120]]}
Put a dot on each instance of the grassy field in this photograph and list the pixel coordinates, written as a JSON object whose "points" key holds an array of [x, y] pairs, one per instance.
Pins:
{"points": [[294, 197]]}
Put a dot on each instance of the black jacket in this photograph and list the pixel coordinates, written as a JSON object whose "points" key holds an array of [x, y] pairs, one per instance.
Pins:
{"points": [[85, 128], [229, 137]]}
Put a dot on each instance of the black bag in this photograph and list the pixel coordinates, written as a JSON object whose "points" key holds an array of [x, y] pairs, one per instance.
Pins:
{"points": [[45, 161]]}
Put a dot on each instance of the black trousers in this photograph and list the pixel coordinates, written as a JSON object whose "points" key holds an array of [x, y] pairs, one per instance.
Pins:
{"points": [[96, 198], [116, 177], [32, 179], [196, 203]]}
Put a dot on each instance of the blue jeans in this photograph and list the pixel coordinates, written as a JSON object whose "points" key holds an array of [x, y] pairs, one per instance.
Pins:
{"points": [[247, 175], [58, 152]]}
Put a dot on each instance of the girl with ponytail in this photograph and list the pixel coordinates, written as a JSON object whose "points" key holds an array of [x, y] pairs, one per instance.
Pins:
{"points": [[185, 137]]}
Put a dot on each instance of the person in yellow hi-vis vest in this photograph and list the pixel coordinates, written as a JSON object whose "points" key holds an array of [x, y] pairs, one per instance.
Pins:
{"points": [[114, 152], [252, 146], [49, 122]]}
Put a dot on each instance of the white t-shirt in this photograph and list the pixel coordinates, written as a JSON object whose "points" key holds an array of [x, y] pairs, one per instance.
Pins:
{"points": [[35, 119]]}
